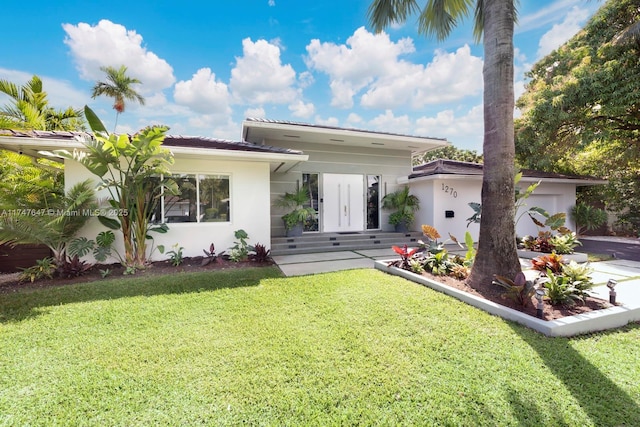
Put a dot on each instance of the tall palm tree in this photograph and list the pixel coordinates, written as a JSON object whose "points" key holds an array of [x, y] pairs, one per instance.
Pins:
{"points": [[118, 87], [494, 23], [29, 109]]}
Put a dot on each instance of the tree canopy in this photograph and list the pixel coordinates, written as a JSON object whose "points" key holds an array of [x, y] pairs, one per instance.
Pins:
{"points": [[581, 111]]}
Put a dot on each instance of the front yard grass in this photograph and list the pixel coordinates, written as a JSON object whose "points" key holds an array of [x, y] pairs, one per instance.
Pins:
{"points": [[249, 347]]}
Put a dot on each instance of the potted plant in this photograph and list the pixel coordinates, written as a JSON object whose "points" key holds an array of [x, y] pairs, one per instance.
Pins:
{"points": [[405, 206], [298, 214]]}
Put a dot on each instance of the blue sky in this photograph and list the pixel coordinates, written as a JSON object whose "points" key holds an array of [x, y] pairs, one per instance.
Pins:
{"points": [[206, 65]]}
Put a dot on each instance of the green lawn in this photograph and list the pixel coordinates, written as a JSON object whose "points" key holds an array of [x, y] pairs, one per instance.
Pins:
{"points": [[249, 347]]}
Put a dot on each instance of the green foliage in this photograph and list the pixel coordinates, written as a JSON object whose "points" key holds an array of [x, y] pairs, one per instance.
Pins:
{"points": [[587, 217], [298, 204], [53, 227], [129, 169], [560, 290], [450, 153], [175, 255], [105, 273], [519, 289], [241, 248], [404, 204], [118, 87], [579, 275], [29, 109], [438, 264], [101, 248], [565, 243], [580, 110], [44, 269]]}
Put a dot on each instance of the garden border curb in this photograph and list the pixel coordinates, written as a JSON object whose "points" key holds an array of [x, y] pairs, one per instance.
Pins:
{"points": [[599, 320]]}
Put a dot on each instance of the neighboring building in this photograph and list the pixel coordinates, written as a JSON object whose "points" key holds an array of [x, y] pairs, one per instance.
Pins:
{"points": [[445, 188]]}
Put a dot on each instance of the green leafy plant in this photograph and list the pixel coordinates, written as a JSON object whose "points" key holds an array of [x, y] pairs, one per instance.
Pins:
{"points": [[565, 243], [579, 275], [101, 247], [105, 273], [261, 253], [300, 210], [561, 290], [404, 204], [438, 264], [416, 266], [587, 217], [53, 227], [240, 250], [176, 255], [129, 169], [44, 269], [519, 289]]}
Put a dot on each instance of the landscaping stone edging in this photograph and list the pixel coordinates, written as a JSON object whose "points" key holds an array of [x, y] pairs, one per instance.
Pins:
{"points": [[599, 320]]}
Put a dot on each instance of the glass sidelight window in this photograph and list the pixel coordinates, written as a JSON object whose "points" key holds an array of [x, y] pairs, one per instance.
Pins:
{"points": [[373, 202], [310, 181]]}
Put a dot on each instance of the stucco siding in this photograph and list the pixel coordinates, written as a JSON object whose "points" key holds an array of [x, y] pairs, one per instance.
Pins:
{"points": [[249, 207]]}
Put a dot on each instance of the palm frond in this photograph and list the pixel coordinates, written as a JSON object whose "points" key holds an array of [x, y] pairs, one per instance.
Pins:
{"points": [[383, 13]]}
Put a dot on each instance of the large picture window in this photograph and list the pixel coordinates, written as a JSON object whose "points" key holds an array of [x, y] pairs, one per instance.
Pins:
{"points": [[202, 198]]}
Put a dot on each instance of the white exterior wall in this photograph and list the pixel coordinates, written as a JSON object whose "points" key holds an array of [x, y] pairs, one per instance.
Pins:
{"points": [[249, 207], [327, 158], [453, 193], [448, 194]]}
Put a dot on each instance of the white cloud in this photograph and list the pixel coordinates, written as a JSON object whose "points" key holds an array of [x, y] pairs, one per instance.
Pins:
{"points": [[560, 33], [330, 121], [450, 76], [203, 93], [388, 122], [465, 131], [272, 3], [370, 63], [354, 65], [354, 120], [259, 77], [544, 16], [256, 113], [110, 44], [300, 109]]}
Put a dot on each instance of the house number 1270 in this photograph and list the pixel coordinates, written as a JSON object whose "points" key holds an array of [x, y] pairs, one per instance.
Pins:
{"points": [[449, 190]]}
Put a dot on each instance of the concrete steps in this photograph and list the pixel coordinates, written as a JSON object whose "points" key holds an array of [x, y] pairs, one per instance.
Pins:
{"points": [[331, 242]]}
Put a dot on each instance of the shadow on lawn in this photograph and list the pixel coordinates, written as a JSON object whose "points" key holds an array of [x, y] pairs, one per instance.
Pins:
{"points": [[20, 306], [603, 400]]}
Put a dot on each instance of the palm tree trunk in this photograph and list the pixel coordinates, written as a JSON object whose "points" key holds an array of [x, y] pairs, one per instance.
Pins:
{"points": [[496, 246]]}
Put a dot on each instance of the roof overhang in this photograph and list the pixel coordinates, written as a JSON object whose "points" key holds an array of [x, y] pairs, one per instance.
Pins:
{"points": [[264, 132], [527, 179], [45, 148]]}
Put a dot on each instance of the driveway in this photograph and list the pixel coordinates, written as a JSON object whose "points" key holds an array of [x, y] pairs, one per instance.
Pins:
{"points": [[619, 247]]}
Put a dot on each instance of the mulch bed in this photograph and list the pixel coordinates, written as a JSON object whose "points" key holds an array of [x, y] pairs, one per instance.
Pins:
{"points": [[494, 293], [9, 282]]}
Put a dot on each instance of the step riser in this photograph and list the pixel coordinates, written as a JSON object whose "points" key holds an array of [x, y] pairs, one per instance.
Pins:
{"points": [[307, 244]]}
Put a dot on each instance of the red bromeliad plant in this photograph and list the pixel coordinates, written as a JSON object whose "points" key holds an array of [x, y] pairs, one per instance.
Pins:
{"points": [[552, 262], [405, 254]]}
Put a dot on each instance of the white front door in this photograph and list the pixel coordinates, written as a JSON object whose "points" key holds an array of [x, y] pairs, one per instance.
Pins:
{"points": [[343, 202]]}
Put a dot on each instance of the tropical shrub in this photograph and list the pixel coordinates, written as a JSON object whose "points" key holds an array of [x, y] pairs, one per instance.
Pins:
{"points": [[519, 289], [128, 168], [404, 204], [176, 255], [44, 269], [240, 250], [564, 243], [560, 290], [73, 267], [551, 262], [587, 217], [261, 253]]}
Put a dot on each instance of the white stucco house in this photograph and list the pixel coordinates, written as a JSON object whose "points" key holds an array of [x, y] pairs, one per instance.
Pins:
{"points": [[231, 185]]}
